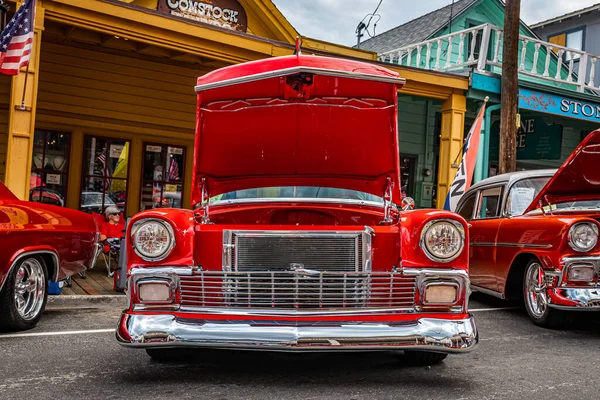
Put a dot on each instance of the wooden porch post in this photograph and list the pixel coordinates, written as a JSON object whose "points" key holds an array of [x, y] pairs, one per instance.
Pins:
{"points": [[21, 123], [451, 140]]}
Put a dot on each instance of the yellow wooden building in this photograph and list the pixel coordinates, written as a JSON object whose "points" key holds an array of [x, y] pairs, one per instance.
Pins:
{"points": [[110, 93]]}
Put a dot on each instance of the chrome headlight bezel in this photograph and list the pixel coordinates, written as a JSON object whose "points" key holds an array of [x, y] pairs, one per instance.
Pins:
{"points": [[571, 233], [426, 230], [135, 230]]}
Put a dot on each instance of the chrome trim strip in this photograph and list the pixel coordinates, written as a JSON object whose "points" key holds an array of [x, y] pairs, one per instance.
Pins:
{"points": [[301, 200], [53, 254], [296, 70], [488, 292], [188, 271], [504, 244], [429, 334], [281, 312]]}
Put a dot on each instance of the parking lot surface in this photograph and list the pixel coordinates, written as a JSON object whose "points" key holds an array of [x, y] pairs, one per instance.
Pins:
{"points": [[73, 354]]}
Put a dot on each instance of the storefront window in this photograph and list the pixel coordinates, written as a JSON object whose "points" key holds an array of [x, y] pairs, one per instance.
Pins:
{"points": [[49, 165], [162, 182], [105, 173]]}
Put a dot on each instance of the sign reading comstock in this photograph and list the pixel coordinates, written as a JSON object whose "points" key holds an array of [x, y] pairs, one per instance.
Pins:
{"points": [[223, 13]]}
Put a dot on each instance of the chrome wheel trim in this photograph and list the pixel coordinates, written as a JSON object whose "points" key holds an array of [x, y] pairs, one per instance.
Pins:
{"points": [[535, 290], [30, 289]]}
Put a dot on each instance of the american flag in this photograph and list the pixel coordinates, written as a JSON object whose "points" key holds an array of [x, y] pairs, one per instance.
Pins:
{"points": [[173, 170], [17, 39], [105, 170]]}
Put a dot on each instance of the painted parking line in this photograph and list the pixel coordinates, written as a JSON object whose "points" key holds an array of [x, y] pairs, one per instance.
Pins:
{"points": [[57, 333], [108, 330], [493, 309]]}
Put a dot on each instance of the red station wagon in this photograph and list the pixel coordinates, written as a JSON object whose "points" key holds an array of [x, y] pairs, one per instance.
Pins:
{"points": [[295, 242]]}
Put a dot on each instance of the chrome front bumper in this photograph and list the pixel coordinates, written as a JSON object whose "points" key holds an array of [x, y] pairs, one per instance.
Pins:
{"points": [[429, 334], [585, 299]]}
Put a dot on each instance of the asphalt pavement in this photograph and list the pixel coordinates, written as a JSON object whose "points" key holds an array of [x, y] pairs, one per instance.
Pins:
{"points": [[73, 354]]}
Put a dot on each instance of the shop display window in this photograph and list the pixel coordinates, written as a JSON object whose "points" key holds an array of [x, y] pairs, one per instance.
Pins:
{"points": [[105, 174], [49, 167], [162, 180]]}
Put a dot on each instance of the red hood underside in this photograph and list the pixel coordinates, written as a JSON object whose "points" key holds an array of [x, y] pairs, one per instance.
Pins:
{"points": [[578, 176], [297, 127]]}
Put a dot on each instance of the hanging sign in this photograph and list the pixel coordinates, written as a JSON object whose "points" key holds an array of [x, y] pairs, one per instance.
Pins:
{"points": [[116, 150], [53, 179], [535, 140], [153, 149], [227, 14]]}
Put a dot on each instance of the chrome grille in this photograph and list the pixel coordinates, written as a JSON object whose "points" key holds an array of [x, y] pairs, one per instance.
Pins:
{"points": [[253, 251], [295, 290]]}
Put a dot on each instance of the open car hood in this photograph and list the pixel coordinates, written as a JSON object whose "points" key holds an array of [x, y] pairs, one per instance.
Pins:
{"points": [[578, 176], [297, 121]]}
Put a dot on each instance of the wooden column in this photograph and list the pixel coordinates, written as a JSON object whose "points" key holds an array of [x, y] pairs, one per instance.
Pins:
{"points": [[21, 122], [75, 171], [509, 88], [451, 140]]}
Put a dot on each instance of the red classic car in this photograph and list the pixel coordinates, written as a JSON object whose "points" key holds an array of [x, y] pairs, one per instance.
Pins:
{"points": [[295, 243], [40, 242], [534, 234]]}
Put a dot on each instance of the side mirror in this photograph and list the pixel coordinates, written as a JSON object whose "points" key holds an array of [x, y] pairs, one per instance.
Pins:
{"points": [[408, 203]]}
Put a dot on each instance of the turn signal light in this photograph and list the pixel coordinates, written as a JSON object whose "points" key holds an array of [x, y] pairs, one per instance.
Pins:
{"points": [[154, 292], [440, 294], [581, 273]]}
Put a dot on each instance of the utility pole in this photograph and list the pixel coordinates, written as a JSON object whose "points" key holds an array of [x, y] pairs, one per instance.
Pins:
{"points": [[510, 87]]}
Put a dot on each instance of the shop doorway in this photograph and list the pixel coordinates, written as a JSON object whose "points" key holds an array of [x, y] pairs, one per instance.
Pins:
{"points": [[408, 164], [163, 176]]}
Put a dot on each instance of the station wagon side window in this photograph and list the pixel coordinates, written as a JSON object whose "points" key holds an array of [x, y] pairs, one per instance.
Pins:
{"points": [[489, 203], [466, 209]]}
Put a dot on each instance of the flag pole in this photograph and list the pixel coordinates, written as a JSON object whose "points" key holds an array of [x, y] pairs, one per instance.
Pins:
{"points": [[23, 108]]}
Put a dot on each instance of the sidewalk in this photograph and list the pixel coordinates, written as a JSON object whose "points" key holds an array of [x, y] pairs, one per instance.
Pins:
{"points": [[96, 283]]}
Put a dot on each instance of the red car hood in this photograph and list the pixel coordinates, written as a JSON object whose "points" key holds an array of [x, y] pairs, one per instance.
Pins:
{"points": [[5, 193], [578, 176], [297, 121]]}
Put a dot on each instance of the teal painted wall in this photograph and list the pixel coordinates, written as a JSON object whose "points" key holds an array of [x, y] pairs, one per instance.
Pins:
{"points": [[489, 12], [417, 137]]}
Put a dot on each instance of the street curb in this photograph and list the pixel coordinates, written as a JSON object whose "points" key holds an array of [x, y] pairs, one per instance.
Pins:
{"points": [[82, 301]]}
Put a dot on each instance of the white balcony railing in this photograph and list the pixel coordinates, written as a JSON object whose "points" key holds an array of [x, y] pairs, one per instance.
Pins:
{"points": [[480, 47]]}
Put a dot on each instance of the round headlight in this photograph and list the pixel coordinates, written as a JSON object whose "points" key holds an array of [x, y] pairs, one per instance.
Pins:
{"points": [[583, 236], [442, 240], [152, 239]]}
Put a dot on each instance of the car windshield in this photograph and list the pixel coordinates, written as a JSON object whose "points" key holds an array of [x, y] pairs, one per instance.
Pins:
{"points": [[575, 205], [523, 192], [297, 192]]}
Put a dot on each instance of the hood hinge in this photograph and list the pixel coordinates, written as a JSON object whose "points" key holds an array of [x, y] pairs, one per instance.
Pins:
{"points": [[387, 203], [204, 202]]}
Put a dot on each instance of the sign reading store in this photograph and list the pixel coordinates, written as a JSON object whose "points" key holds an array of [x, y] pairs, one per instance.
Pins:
{"points": [[227, 14]]}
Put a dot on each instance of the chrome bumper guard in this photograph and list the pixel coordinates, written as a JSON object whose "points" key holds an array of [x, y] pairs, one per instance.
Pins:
{"points": [[583, 298], [167, 330]]}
